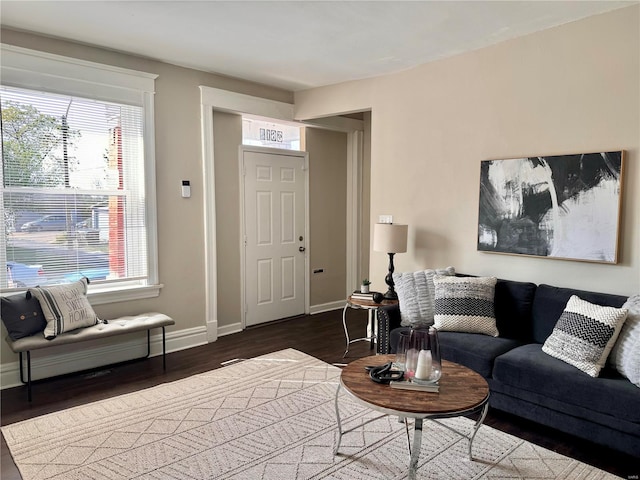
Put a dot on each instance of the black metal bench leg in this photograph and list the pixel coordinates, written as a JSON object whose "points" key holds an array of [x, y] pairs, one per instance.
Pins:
{"points": [[28, 374], [21, 369], [164, 351], [164, 354]]}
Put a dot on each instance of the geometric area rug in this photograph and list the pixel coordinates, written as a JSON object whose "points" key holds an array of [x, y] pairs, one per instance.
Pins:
{"points": [[270, 417]]}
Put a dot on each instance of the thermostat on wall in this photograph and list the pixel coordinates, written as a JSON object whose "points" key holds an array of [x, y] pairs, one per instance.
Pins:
{"points": [[186, 189]]}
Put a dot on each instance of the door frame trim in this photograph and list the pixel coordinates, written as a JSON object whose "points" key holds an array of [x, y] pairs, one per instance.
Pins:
{"points": [[304, 156], [224, 100]]}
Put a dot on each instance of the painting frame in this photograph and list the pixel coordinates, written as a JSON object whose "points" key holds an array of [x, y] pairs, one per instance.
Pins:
{"points": [[566, 207]]}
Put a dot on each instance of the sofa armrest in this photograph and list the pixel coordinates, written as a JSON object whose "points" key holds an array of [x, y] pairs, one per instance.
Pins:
{"points": [[388, 319]]}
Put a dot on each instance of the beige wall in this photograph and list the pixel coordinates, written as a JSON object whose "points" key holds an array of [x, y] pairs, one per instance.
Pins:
{"points": [[227, 133], [327, 213], [570, 89], [178, 157]]}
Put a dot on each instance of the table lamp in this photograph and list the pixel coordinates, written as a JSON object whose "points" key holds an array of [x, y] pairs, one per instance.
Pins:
{"points": [[390, 238]]}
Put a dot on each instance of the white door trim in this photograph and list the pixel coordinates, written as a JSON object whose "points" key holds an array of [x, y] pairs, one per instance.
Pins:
{"points": [[217, 99], [307, 282], [355, 220], [210, 257]]}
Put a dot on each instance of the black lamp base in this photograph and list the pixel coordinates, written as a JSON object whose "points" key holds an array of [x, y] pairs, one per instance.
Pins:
{"points": [[391, 292], [391, 295]]}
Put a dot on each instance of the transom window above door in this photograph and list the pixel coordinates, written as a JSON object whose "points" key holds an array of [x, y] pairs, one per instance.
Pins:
{"points": [[264, 133]]}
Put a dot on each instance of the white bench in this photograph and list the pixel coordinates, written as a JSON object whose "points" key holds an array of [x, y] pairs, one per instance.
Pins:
{"points": [[118, 326]]}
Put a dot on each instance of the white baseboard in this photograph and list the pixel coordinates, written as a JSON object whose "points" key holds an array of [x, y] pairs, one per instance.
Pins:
{"points": [[97, 353], [212, 331], [229, 329], [327, 307]]}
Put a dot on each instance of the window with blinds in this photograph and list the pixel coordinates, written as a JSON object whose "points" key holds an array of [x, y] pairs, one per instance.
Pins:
{"points": [[73, 190]]}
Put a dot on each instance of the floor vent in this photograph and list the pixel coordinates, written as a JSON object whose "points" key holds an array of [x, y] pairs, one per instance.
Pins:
{"points": [[232, 361]]}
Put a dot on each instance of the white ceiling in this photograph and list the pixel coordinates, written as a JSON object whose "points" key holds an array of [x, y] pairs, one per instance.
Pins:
{"points": [[296, 44]]}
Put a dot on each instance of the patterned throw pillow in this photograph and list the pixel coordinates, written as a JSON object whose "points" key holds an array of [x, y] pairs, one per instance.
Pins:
{"points": [[416, 293], [465, 304], [21, 315], [585, 334], [625, 355], [65, 307]]}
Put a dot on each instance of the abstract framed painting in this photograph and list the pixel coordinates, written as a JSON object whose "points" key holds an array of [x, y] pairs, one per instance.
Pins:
{"points": [[561, 206]]}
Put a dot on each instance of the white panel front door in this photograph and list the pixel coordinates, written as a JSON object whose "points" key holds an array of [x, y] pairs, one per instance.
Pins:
{"points": [[274, 228]]}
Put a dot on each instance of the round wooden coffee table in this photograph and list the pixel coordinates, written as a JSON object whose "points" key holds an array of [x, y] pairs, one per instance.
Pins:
{"points": [[462, 392]]}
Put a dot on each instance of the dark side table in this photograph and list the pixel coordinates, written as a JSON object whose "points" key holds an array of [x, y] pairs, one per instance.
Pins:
{"points": [[372, 327]]}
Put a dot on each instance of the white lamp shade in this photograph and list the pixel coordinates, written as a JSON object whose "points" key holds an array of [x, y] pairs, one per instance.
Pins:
{"points": [[390, 237]]}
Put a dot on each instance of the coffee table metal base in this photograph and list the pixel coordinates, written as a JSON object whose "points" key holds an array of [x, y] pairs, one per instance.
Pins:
{"points": [[414, 450]]}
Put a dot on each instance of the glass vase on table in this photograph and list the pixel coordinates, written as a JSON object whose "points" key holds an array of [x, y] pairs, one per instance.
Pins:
{"points": [[422, 359], [400, 362]]}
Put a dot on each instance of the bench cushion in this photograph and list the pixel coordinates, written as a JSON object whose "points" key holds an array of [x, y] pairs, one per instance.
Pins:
{"points": [[117, 326]]}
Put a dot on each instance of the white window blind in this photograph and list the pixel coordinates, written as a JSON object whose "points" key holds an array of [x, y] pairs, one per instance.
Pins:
{"points": [[75, 188]]}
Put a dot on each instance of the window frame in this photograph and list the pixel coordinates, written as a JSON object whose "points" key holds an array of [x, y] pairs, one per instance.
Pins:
{"points": [[40, 71]]}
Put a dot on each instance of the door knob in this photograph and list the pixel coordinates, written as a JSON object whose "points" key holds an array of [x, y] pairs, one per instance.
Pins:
{"points": [[301, 249]]}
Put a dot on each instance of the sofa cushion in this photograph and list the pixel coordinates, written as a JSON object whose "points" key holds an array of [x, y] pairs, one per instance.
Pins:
{"points": [[584, 334], [528, 368], [21, 316], [474, 350], [549, 303], [65, 307], [416, 295], [513, 301], [465, 304], [605, 428]]}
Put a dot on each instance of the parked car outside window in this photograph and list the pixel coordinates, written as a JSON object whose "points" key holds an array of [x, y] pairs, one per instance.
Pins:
{"points": [[48, 222]]}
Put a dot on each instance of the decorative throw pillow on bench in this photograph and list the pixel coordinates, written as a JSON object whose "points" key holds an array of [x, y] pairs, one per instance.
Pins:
{"points": [[465, 304], [21, 316], [585, 334], [416, 293], [65, 307]]}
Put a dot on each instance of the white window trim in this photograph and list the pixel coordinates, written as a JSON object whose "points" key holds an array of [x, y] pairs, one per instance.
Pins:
{"points": [[25, 68]]}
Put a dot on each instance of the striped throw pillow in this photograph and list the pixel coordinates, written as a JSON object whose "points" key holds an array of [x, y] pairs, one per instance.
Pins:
{"points": [[65, 307], [465, 304], [585, 334]]}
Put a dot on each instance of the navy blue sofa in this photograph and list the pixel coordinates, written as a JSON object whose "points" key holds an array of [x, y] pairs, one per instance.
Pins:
{"points": [[527, 382]]}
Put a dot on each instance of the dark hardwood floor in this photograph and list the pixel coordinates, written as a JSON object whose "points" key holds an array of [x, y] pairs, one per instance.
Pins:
{"points": [[318, 335]]}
